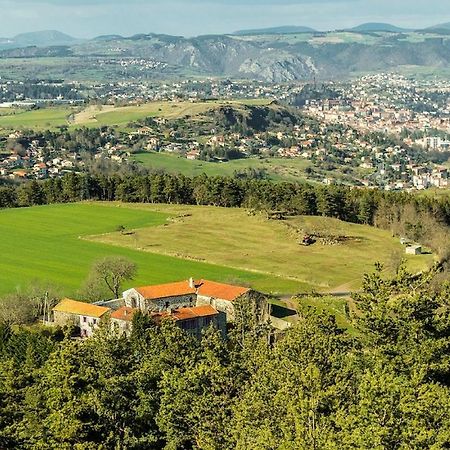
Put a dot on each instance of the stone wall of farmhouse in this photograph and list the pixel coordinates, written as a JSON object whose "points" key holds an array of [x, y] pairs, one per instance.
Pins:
{"points": [[121, 326], [260, 306], [62, 318], [258, 303], [163, 304], [223, 306], [88, 325], [135, 300]]}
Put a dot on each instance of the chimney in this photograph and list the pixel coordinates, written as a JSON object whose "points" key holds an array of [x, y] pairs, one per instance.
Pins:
{"points": [[191, 283]]}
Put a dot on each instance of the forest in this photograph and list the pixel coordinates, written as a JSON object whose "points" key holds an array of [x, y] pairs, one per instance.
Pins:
{"points": [[385, 386]]}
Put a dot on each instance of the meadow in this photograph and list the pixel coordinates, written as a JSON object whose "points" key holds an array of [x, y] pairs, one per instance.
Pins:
{"points": [[108, 115], [45, 244], [123, 115], [46, 118], [235, 239], [276, 168]]}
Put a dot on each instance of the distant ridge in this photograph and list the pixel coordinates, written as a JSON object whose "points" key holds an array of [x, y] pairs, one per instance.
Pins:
{"points": [[276, 30], [109, 37], [43, 38], [439, 27], [375, 26]]}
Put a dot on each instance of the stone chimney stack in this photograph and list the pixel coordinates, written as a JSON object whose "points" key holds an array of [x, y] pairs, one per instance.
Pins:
{"points": [[191, 283]]}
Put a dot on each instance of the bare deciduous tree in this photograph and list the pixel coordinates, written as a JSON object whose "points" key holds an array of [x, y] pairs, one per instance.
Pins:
{"points": [[112, 271]]}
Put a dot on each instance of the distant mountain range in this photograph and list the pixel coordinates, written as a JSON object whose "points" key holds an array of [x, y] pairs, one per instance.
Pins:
{"points": [[374, 27], [49, 38], [276, 30], [280, 54], [440, 27], [39, 39]]}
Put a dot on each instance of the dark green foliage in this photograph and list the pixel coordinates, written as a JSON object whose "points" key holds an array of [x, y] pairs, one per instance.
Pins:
{"points": [[315, 388]]}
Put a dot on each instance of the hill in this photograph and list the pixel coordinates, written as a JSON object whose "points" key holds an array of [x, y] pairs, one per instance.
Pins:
{"points": [[44, 38], [374, 26], [254, 113], [109, 37], [276, 30], [280, 57], [440, 28]]}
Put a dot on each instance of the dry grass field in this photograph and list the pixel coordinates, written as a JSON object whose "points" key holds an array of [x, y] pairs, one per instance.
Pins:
{"points": [[232, 238]]}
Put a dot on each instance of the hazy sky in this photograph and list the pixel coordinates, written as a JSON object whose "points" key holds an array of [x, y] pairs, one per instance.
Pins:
{"points": [[88, 18]]}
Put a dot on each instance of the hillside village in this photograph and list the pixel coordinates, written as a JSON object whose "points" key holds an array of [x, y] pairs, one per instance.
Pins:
{"points": [[383, 131]]}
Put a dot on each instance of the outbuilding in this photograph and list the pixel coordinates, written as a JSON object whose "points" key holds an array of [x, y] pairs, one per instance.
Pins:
{"points": [[414, 250]]}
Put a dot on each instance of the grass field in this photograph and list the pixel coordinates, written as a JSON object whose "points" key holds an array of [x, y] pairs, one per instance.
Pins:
{"points": [[95, 116], [276, 168], [43, 243], [434, 192], [122, 116], [46, 118], [232, 238]]}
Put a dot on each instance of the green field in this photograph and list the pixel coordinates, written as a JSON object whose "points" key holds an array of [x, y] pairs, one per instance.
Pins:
{"points": [[233, 238], [98, 116], [43, 243], [46, 118], [276, 168], [335, 306], [59, 243], [122, 116]]}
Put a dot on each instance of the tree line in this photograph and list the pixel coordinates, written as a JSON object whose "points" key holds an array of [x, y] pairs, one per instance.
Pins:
{"points": [[421, 218], [387, 386]]}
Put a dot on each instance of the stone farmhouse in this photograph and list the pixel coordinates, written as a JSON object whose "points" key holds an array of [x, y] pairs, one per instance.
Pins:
{"points": [[191, 293], [84, 315], [192, 305], [194, 320]]}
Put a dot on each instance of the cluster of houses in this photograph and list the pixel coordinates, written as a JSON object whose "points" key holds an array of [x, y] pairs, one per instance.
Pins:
{"points": [[31, 162], [387, 103], [39, 161], [193, 305]]}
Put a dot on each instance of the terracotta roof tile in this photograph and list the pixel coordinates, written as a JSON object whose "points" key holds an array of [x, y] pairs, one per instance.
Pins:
{"points": [[124, 313], [186, 313], [202, 287], [166, 290], [220, 290], [80, 308]]}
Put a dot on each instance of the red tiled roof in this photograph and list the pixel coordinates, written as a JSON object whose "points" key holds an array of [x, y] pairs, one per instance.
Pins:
{"points": [[124, 313], [186, 313], [202, 287], [80, 308], [220, 290], [166, 290]]}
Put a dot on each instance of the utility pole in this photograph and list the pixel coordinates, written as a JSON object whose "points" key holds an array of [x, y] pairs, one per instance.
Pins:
{"points": [[46, 309]]}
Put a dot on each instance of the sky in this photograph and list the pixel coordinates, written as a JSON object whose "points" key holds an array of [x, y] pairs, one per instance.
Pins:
{"points": [[89, 18]]}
